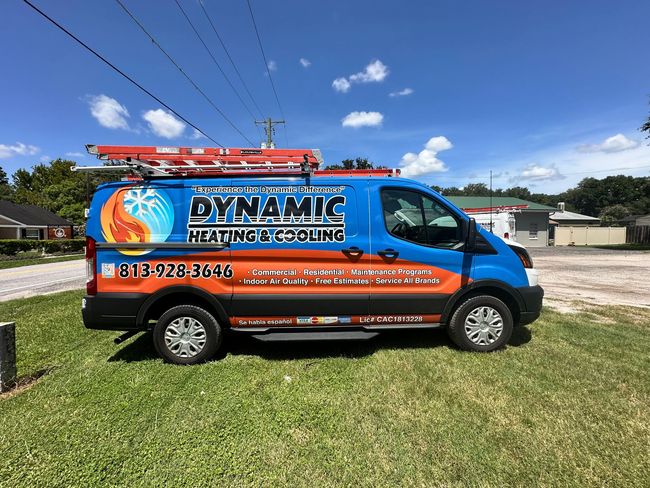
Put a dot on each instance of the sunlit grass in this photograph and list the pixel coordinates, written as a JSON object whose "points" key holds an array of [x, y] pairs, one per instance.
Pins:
{"points": [[567, 403]]}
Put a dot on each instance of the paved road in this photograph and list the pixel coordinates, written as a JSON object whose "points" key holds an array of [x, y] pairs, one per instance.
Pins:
{"points": [[41, 279]]}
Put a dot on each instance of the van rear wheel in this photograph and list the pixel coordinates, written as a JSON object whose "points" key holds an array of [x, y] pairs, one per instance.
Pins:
{"points": [[481, 323], [187, 334]]}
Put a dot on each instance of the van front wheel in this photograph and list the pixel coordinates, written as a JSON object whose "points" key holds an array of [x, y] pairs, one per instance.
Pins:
{"points": [[482, 323], [187, 334]]}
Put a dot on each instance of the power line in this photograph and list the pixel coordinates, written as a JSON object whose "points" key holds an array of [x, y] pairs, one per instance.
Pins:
{"points": [[223, 45], [605, 170], [119, 71], [266, 65], [214, 59], [209, 100]]}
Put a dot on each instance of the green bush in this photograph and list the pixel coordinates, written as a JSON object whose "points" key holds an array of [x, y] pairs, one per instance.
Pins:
{"points": [[11, 247], [64, 246]]}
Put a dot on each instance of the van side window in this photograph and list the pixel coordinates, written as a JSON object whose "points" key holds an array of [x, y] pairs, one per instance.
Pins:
{"points": [[417, 218]]}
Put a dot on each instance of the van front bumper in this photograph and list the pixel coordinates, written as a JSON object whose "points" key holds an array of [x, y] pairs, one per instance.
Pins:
{"points": [[112, 311], [532, 297]]}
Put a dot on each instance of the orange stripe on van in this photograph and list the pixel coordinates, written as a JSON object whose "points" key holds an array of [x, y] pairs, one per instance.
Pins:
{"points": [[289, 272]]}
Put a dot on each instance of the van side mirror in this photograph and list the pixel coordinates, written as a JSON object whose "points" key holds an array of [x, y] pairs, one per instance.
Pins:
{"points": [[470, 235]]}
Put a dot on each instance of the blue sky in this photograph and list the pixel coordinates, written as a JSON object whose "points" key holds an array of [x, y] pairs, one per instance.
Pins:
{"points": [[542, 93]]}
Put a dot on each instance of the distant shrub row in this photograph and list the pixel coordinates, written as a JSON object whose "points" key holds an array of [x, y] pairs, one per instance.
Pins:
{"points": [[11, 247]]}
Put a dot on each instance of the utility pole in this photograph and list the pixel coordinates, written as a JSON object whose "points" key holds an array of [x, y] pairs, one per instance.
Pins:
{"points": [[491, 230], [270, 131]]}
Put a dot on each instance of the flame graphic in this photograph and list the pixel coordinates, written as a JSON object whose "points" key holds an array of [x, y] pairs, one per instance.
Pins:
{"points": [[118, 225]]}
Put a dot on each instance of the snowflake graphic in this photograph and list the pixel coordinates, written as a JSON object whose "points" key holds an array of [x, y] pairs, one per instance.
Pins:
{"points": [[142, 202]]}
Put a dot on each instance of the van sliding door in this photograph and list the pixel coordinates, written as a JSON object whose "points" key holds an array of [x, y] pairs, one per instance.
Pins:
{"points": [[299, 252]]}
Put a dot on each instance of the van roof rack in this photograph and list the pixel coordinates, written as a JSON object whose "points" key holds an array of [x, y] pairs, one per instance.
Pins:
{"points": [[148, 161], [496, 208]]}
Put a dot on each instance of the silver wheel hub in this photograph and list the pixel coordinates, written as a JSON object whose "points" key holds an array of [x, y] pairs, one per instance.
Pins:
{"points": [[185, 337], [483, 325]]}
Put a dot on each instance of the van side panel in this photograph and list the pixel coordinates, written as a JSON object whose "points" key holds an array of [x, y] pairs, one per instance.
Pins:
{"points": [[277, 252], [293, 260], [147, 213]]}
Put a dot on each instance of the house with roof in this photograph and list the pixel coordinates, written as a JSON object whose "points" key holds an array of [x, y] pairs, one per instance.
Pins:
{"points": [[633, 220], [531, 219], [31, 222]]}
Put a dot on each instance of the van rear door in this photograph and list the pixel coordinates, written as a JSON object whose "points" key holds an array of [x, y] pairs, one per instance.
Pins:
{"points": [[417, 260]]}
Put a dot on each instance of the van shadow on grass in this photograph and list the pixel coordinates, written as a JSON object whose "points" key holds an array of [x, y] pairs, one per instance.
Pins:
{"points": [[142, 349]]}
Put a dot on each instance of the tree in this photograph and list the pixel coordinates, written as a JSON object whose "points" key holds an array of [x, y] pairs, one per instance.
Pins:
{"points": [[358, 163], [591, 196], [363, 163], [56, 188], [6, 191], [614, 213], [517, 192], [476, 190], [646, 127]]}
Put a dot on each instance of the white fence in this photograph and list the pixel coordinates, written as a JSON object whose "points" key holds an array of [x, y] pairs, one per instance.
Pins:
{"points": [[586, 236]]}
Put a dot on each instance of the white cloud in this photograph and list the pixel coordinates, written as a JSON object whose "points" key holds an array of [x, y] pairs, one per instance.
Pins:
{"points": [[613, 144], [196, 135], [273, 66], [341, 85], [45, 159], [402, 93], [164, 124], [570, 166], [426, 161], [362, 119], [438, 143], [75, 154], [18, 149], [305, 62], [537, 172], [375, 72], [108, 112]]}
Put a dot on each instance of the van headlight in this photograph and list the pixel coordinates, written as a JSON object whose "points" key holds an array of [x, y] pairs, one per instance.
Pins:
{"points": [[523, 255]]}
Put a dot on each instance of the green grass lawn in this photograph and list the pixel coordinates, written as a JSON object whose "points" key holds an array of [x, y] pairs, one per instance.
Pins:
{"points": [[15, 263], [568, 403]]}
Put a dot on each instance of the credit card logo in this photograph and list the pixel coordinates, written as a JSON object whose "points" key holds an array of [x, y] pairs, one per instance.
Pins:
{"points": [[316, 320]]}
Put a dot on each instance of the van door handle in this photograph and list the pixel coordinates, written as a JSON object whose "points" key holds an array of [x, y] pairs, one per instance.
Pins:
{"points": [[388, 253], [352, 251]]}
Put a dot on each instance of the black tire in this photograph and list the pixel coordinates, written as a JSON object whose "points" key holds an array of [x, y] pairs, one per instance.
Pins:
{"points": [[213, 335], [457, 331]]}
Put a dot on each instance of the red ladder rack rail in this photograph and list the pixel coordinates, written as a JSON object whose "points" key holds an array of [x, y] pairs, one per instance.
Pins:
{"points": [[192, 161], [496, 208]]}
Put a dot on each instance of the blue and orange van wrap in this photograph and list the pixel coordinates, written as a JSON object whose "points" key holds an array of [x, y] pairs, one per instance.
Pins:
{"points": [[281, 252]]}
